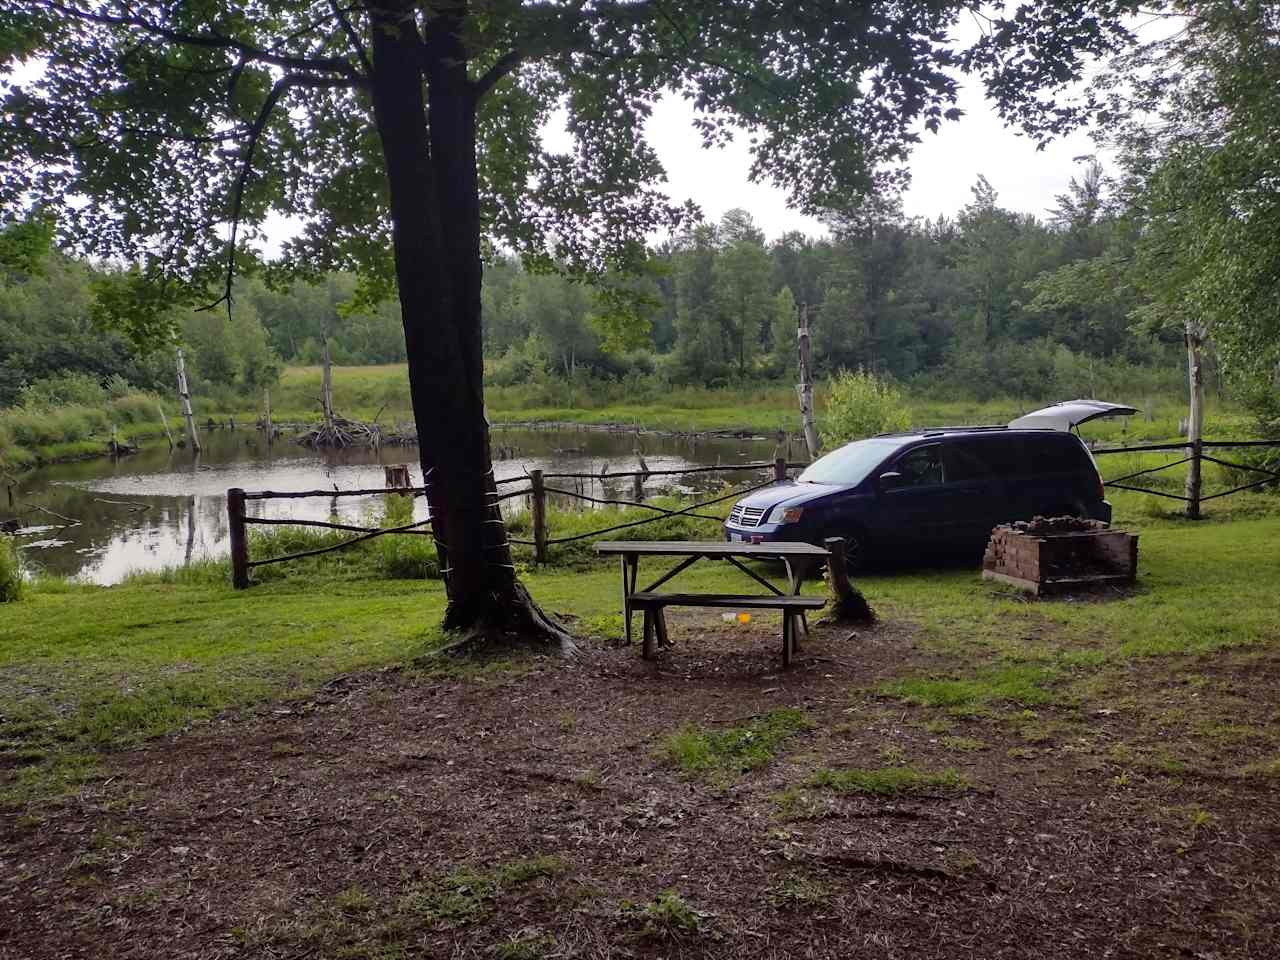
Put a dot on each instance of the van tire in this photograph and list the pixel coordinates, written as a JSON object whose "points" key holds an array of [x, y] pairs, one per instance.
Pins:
{"points": [[855, 552]]}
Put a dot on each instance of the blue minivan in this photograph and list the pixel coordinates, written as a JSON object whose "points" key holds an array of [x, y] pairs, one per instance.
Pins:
{"points": [[926, 493]]}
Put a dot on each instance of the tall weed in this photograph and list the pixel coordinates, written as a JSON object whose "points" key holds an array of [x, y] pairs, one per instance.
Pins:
{"points": [[12, 578]]}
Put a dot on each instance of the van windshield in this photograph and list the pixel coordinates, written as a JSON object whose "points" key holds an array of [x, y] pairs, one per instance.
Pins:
{"points": [[849, 464]]}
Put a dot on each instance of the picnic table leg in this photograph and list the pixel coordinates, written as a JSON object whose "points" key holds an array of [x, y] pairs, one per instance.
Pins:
{"points": [[626, 601], [646, 649], [660, 624], [787, 639], [630, 570], [795, 580]]}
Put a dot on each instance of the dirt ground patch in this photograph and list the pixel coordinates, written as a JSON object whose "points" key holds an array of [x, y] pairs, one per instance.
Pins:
{"points": [[529, 813]]}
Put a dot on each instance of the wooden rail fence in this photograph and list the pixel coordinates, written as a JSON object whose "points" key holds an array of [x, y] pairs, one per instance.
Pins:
{"points": [[537, 490], [1194, 454]]}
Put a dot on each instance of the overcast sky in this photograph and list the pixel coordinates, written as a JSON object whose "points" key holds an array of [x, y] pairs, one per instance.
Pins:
{"points": [[943, 168]]}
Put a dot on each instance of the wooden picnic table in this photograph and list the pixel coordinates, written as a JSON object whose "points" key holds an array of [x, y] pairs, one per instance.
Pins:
{"points": [[797, 558]]}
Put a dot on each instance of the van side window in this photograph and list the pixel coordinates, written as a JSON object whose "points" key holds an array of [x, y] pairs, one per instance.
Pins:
{"points": [[1006, 456], [1055, 454], [962, 460], [921, 467]]}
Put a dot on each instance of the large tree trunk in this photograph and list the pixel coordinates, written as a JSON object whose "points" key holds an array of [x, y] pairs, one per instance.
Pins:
{"points": [[435, 209]]}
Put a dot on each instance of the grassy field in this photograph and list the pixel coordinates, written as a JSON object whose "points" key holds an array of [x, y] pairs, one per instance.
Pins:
{"points": [[363, 391]]}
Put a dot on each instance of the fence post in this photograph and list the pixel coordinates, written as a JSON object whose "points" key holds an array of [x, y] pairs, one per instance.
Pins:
{"points": [[1195, 483], [239, 543], [805, 387], [1195, 337], [538, 509], [779, 469]]}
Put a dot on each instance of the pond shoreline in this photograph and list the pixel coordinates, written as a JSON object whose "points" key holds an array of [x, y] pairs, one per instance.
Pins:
{"points": [[159, 508], [41, 457]]}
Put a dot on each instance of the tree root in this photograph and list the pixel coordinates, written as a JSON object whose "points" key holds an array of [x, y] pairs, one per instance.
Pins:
{"points": [[511, 618], [851, 608]]}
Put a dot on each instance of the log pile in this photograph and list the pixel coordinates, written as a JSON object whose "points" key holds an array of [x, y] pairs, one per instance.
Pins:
{"points": [[337, 432], [1057, 554]]}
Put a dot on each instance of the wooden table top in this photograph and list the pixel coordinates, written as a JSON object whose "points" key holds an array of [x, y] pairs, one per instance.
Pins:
{"points": [[710, 548]]}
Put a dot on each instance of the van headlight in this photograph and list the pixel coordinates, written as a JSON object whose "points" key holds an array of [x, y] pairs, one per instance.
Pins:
{"points": [[791, 515]]}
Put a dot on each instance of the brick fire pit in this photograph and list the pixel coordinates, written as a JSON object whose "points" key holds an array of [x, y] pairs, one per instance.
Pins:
{"points": [[1054, 555]]}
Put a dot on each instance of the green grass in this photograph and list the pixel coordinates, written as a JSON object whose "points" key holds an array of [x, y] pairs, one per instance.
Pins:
{"points": [[667, 916], [697, 751], [466, 893], [1018, 683], [29, 436], [799, 892], [886, 781]]}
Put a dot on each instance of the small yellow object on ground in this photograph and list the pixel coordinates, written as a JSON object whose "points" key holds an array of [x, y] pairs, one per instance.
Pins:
{"points": [[744, 618]]}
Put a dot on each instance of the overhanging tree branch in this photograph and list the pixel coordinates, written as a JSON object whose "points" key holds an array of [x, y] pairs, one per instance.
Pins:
{"points": [[505, 64], [212, 41], [352, 36], [281, 87]]}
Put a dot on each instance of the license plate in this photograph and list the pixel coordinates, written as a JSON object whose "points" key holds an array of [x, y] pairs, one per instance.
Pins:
{"points": [[737, 537]]}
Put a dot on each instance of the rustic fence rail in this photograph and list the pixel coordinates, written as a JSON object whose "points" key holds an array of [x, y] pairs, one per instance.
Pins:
{"points": [[1196, 456], [536, 489]]}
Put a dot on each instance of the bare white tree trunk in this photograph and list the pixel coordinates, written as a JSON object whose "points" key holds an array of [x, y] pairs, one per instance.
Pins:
{"points": [[326, 382], [184, 397], [805, 387]]}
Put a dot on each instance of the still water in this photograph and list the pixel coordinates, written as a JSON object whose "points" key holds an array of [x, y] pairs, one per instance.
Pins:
{"points": [[100, 520]]}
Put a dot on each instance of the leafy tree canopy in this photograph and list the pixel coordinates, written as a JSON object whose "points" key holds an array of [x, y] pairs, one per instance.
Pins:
{"points": [[155, 126], [1195, 119]]}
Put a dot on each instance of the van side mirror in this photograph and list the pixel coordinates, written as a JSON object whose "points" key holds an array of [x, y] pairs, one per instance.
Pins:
{"points": [[890, 480]]}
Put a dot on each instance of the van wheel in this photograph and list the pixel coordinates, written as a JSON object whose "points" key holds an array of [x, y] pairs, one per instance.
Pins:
{"points": [[855, 553]]}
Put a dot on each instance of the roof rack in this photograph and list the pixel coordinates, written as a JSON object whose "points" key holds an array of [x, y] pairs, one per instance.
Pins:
{"points": [[939, 431], [985, 426]]}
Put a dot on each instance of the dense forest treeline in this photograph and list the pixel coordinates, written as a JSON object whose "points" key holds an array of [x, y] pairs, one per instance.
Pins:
{"points": [[970, 306]]}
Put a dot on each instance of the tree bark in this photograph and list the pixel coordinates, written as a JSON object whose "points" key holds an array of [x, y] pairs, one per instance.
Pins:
{"points": [[805, 387], [326, 380], [429, 145], [1195, 337]]}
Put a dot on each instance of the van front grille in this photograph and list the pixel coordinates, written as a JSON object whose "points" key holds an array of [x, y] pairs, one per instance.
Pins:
{"points": [[741, 516]]}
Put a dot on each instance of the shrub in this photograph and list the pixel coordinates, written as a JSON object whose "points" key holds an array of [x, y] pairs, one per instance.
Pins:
{"points": [[62, 390], [135, 408], [862, 405], [12, 582]]}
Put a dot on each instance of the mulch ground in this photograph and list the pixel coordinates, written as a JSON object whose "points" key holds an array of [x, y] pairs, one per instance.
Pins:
{"points": [[237, 838]]}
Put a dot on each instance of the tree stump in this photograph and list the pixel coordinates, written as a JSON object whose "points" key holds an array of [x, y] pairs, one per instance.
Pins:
{"points": [[397, 476], [848, 605]]}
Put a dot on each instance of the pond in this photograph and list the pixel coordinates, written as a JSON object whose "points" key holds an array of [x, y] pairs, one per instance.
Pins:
{"points": [[100, 520]]}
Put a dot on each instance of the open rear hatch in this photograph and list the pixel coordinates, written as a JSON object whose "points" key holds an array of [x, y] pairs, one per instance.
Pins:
{"points": [[1069, 414]]}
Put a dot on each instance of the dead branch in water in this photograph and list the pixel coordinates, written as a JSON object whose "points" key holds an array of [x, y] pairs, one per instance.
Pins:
{"points": [[337, 432]]}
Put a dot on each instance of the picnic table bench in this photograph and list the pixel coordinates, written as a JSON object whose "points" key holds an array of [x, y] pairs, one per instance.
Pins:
{"points": [[797, 558]]}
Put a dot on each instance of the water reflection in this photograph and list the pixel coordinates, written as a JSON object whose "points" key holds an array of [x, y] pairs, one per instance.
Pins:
{"points": [[102, 519]]}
